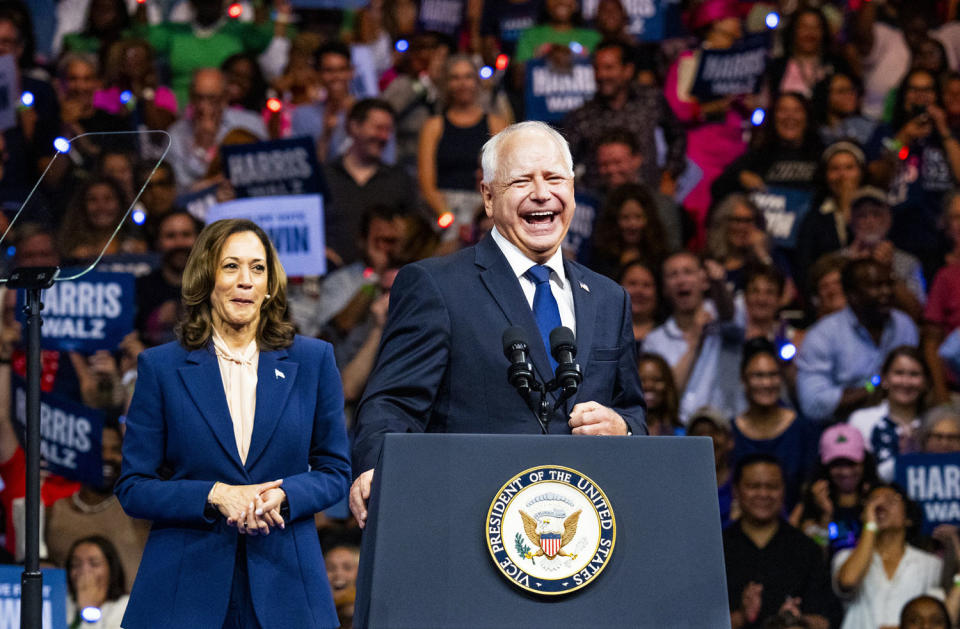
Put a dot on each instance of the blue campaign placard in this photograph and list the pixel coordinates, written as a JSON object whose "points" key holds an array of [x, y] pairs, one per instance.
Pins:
{"points": [[933, 481], [646, 17], [552, 92], [441, 16], [198, 201], [580, 234], [731, 72], [783, 211], [71, 434], [274, 168], [294, 224], [54, 610], [136, 264], [88, 314]]}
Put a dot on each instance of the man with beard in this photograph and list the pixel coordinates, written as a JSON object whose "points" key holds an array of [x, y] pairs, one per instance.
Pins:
{"points": [[839, 363], [158, 293], [94, 510], [360, 180], [621, 103]]}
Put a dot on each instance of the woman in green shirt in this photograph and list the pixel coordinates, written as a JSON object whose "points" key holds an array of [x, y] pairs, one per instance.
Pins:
{"points": [[562, 19]]}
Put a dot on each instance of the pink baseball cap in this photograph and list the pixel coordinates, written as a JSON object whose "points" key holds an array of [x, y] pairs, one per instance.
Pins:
{"points": [[841, 441], [710, 11]]}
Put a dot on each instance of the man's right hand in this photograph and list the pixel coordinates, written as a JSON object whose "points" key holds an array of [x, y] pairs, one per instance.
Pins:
{"points": [[359, 494]]}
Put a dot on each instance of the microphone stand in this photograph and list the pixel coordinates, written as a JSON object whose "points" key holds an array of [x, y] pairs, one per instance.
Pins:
{"points": [[540, 405], [32, 280]]}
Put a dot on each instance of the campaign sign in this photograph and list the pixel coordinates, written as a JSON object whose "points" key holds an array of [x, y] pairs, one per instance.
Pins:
{"points": [[87, 314], [294, 224], [646, 17], [136, 264], [198, 202], [933, 481], [783, 211], [552, 92], [70, 434], [731, 72], [441, 16], [268, 169], [53, 613], [580, 234]]}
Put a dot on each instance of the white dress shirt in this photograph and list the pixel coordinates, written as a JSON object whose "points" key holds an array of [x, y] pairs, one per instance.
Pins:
{"points": [[559, 285]]}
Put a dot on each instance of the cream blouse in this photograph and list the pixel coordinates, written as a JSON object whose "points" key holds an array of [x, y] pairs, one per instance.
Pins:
{"points": [[238, 370]]}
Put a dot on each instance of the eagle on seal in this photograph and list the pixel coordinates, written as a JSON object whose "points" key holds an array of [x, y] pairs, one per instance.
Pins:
{"points": [[550, 535]]}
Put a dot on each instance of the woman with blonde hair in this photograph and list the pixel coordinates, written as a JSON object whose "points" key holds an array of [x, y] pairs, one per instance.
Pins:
{"points": [[450, 143]]}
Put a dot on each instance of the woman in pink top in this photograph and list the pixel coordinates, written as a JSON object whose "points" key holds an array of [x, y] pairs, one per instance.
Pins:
{"points": [[714, 129]]}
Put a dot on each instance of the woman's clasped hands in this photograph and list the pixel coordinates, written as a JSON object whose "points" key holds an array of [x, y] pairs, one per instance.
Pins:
{"points": [[253, 509]]}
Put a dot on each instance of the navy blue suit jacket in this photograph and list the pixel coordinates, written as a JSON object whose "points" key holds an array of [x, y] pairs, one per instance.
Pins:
{"points": [[180, 440], [441, 366]]}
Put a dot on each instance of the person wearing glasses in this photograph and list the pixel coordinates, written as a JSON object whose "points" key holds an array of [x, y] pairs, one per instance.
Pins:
{"points": [[941, 430]]}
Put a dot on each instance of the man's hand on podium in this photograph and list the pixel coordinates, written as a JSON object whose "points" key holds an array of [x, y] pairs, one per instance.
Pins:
{"points": [[591, 418], [359, 494]]}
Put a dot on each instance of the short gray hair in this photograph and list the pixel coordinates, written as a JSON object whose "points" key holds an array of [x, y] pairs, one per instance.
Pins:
{"points": [[71, 58], [937, 414], [490, 153]]}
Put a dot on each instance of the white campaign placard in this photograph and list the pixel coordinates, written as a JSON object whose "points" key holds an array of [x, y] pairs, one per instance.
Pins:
{"points": [[294, 224]]}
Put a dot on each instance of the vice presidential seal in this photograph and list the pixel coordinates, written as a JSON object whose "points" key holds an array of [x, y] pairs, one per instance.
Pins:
{"points": [[550, 530]]}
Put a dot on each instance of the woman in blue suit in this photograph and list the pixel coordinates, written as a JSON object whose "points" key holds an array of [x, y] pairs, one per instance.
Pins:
{"points": [[235, 438]]}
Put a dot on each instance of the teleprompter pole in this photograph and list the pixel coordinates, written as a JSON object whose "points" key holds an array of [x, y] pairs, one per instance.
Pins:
{"points": [[32, 280]]}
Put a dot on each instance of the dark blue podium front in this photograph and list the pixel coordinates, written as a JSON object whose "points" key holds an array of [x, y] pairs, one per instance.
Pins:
{"points": [[425, 562]]}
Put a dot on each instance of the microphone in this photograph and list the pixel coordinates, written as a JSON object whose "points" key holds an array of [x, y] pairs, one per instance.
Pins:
{"points": [[563, 347], [515, 348]]}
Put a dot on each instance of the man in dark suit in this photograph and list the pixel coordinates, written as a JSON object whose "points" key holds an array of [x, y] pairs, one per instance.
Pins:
{"points": [[441, 366]]}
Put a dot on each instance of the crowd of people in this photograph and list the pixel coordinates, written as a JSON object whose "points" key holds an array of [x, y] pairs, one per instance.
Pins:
{"points": [[791, 252]]}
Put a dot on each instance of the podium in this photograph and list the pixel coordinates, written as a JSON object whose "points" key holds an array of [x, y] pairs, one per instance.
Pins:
{"points": [[427, 561]]}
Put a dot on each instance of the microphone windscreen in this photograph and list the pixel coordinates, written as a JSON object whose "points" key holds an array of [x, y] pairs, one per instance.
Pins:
{"points": [[562, 337], [512, 336]]}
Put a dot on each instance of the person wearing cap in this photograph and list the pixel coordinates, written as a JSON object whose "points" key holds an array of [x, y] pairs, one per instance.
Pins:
{"points": [[870, 222], [829, 511], [714, 129], [892, 427], [771, 566], [843, 352], [708, 421], [826, 226]]}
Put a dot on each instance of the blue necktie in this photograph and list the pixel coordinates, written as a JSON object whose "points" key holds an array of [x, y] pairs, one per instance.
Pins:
{"points": [[545, 308]]}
